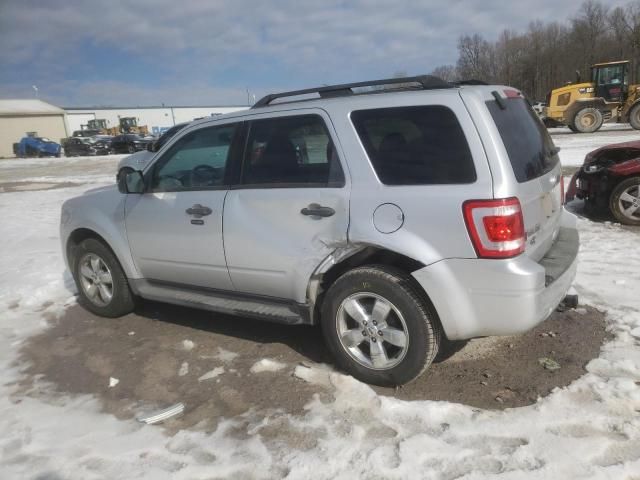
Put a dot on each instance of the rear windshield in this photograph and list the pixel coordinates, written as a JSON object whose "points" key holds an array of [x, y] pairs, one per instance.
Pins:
{"points": [[415, 145], [528, 144]]}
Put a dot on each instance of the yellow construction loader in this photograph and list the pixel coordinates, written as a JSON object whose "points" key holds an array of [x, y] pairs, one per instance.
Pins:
{"points": [[612, 95]]}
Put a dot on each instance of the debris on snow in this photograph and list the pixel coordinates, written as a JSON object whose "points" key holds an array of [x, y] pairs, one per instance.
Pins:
{"points": [[113, 382], [211, 374], [184, 369], [225, 355], [549, 363], [266, 365], [161, 415], [188, 345]]}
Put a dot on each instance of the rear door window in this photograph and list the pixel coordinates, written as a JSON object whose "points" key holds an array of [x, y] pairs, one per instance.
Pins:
{"points": [[528, 144], [417, 145], [294, 151]]}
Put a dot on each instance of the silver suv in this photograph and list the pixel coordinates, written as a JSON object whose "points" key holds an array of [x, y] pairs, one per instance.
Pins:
{"points": [[391, 217]]}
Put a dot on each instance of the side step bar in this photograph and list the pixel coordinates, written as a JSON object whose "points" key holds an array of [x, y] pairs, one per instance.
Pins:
{"points": [[261, 308]]}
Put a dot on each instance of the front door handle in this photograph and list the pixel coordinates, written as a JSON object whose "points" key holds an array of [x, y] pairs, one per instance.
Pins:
{"points": [[199, 210], [315, 210]]}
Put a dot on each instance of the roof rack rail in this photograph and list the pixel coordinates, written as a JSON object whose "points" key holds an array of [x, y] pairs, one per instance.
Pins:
{"points": [[424, 82]]}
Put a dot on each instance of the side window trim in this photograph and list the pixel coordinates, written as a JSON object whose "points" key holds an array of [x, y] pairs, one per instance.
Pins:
{"points": [[238, 180]]}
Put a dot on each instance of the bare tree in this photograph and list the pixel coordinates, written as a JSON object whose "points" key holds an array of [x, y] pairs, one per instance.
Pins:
{"points": [[546, 56], [448, 73]]}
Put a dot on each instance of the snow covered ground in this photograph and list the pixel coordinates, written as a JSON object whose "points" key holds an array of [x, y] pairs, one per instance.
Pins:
{"points": [[589, 430], [575, 146]]}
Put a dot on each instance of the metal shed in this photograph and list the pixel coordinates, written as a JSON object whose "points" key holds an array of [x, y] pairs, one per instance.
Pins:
{"points": [[17, 117]]}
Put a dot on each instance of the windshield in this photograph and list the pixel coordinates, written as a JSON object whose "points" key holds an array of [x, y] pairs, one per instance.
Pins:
{"points": [[529, 146]]}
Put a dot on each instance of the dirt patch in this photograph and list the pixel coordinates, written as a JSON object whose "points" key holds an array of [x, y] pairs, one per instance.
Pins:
{"points": [[164, 354]]}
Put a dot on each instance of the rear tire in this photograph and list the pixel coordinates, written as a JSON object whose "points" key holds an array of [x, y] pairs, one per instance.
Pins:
{"points": [[634, 116], [131, 149], [103, 288], [624, 198], [572, 128], [588, 120], [379, 326]]}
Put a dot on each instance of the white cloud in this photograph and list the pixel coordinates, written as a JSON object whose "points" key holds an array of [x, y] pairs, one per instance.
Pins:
{"points": [[258, 43]]}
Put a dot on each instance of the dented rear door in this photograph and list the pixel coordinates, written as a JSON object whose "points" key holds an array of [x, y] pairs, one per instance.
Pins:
{"points": [[291, 207]]}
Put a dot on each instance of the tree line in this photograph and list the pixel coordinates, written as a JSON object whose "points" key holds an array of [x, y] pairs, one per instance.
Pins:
{"points": [[547, 55]]}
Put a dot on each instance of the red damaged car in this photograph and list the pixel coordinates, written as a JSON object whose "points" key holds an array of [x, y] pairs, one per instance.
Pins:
{"points": [[610, 178]]}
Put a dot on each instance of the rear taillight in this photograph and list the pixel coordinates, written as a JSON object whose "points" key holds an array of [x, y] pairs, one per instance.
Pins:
{"points": [[496, 227], [562, 193]]}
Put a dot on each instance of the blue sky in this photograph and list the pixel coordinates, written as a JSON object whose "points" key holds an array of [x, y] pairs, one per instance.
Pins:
{"points": [[187, 52]]}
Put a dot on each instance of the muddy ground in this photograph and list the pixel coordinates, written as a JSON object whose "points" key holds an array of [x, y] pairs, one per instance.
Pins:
{"points": [[159, 354]]}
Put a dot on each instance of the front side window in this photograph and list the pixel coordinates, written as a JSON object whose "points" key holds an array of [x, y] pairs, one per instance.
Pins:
{"points": [[291, 152], [417, 145], [197, 161]]}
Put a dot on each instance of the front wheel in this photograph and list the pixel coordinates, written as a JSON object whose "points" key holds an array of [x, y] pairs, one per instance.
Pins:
{"points": [[624, 202], [634, 117], [588, 120], [131, 149], [102, 285], [379, 326]]}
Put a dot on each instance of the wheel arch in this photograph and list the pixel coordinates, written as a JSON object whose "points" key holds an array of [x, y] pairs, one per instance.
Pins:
{"points": [[77, 236], [341, 261]]}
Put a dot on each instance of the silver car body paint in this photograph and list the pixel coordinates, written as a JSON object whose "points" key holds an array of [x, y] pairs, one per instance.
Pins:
{"points": [[271, 250], [136, 161]]}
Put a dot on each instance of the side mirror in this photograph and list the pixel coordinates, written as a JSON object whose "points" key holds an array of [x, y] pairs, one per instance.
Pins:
{"points": [[130, 181]]}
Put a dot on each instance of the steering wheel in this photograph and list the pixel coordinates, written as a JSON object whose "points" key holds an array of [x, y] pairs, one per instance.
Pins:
{"points": [[204, 174]]}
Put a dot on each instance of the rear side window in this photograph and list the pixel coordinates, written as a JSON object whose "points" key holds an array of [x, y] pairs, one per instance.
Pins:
{"points": [[528, 144], [292, 151], [415, 145]]}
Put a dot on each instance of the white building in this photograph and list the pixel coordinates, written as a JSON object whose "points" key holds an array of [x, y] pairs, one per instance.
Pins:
{"points": [[157, 119]]}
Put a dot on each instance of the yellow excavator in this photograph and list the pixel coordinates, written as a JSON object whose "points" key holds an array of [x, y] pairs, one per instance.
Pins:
{"points": [[611, 95]]}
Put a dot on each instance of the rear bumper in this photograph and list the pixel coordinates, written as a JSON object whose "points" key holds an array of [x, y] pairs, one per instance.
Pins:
{"points": [[480, 297]]}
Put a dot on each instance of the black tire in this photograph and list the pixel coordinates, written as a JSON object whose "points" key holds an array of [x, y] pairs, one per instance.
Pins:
{"points": [[131, 149], [632, 187], [122, 300], [397, 288], [634, 116], [588, 120], [572, 128]]}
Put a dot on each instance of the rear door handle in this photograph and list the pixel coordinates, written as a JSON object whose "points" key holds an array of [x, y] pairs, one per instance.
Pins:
{"points": [[199, 210], [315, 210]]}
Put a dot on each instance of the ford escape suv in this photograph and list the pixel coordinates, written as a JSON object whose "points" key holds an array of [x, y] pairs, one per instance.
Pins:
{"points": [[388, 216]]}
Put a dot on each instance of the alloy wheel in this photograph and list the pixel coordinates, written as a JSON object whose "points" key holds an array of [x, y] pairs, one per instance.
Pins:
{"points": [[95, 279], [372, 331], [629, 202]]}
